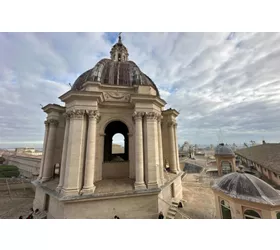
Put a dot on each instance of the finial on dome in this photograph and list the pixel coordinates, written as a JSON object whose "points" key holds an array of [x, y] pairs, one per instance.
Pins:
{"points": [[120, 38]]}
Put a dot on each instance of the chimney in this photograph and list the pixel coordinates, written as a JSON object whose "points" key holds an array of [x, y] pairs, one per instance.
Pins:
{"points": [[263, 142]]}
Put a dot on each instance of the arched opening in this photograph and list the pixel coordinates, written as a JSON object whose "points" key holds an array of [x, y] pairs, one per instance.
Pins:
{"points": [[278, 215], [116, 151], [118, 144], [115, 128], [226, 167], [225, 208], [251, 214]]}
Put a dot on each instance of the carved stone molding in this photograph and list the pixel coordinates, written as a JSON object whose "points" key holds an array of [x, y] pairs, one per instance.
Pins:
{"points": [[151, 115], [93, 114], [116, 97], [76, 114], [137, 115], [160, 117], [52, 122], [46, 123], [172, 123]]}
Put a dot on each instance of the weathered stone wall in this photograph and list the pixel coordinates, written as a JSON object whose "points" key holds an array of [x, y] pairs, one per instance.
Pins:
{"points": [[142, 207], [115, 170]]}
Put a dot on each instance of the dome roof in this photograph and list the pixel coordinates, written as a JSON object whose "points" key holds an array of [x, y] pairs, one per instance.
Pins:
{"points": [[247, 187], [115, 71], [223, 150]]}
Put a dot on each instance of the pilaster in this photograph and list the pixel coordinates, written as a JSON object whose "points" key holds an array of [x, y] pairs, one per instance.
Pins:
{"points": [[93, 117], [139, 153], [74, 153], [48, 159], [173, 162], [44, 150], [152, 149], [64, 152], [161, 164]]}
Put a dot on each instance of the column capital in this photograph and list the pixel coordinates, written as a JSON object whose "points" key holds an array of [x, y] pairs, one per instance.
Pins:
{"points": [[160, 117], [46, 123], [93, 114], [137, 115], [172, 124], [151, 115], [66, 115], [76, 114], [52, 122]]}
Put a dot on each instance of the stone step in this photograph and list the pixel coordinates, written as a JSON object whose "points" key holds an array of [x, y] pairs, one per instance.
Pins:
{"points": [[172, 213], [174, 209]]}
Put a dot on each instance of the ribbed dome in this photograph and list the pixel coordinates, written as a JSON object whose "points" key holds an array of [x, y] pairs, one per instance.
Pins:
{"points": [[107, 71], [247, 187], [222, 150], [115, 71]]}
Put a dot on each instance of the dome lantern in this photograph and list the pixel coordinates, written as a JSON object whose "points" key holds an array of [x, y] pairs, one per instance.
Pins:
{"points": [[119, 52]]}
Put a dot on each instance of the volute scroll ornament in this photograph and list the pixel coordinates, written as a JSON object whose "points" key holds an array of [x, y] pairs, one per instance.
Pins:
{"points": [[46, 123], [137, 115], [53, 122], [151, 115], [76, 114], [171, 124], [93, 114]]}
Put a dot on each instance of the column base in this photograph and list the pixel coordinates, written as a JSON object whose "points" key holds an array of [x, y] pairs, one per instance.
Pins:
{"points": [[45, 179], [152, 185], [139, 186], [58, 189], [69, 192], [88, 190]]}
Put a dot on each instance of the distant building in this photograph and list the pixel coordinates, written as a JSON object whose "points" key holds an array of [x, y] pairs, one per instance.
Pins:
{"points": [[28, 151], [264, 158], [225, 159]]}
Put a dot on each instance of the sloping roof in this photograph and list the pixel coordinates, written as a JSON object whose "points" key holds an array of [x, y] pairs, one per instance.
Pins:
{"points": [[266, 155], [247, 187]]}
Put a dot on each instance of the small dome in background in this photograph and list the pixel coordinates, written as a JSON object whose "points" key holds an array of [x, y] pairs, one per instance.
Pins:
{"points": [[247, 187], [223, 150]]}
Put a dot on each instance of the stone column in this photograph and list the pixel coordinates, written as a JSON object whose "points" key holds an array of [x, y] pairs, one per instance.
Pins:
{"points": [[89, 187], [48, 159], [152, 149], [139, 154], [176, 148], [172, 151], [44, 149], [64, 152], [74, 153], [161, 164], [131, 156]]}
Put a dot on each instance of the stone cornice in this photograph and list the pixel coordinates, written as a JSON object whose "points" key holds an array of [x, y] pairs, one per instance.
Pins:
{"points": [[53, 108], [170, 112], [82, 95], [136, 98]]}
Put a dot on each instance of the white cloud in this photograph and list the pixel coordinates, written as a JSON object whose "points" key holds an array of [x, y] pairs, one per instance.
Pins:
{"points": [[216, 80]]}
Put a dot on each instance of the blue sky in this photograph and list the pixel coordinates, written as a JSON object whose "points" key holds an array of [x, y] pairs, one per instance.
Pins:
{"points": [[228, 81]]}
